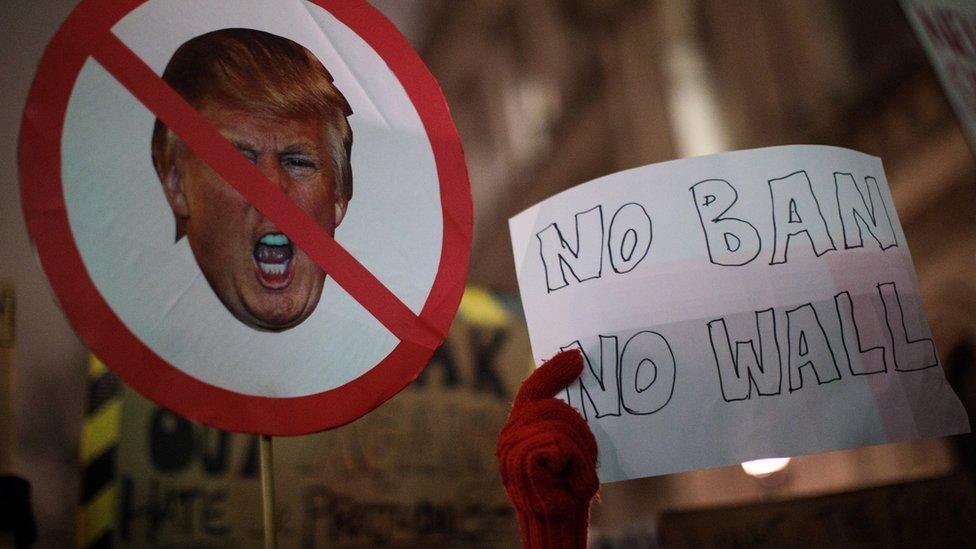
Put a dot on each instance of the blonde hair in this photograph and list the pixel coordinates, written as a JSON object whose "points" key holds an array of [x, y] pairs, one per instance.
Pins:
{"points": [[263, 74]]}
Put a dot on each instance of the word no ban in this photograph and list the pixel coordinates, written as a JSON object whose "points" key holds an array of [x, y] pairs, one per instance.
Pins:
{"points": [[731, 241]]}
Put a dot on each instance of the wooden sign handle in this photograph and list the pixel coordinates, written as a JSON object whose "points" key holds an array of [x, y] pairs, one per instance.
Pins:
{"points": [[267, 493]]}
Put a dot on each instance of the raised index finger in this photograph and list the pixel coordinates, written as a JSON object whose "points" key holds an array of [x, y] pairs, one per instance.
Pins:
{"points": [[554, 374]]}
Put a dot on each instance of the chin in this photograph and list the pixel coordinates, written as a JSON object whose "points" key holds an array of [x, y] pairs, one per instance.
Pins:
{"points": [[272, 323], [278, 317], [266, 325]]}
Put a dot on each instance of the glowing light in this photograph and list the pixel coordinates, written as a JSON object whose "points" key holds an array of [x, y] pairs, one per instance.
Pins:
{"points": [[761, 468], [693, 104]]}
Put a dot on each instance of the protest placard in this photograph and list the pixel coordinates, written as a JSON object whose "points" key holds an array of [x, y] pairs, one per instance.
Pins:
{"points": [[729, 307], [187, 176], [947, 31]]}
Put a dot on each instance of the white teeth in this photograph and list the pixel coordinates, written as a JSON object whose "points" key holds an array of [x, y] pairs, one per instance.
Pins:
{"points": [[273, 268], [274, 239]]}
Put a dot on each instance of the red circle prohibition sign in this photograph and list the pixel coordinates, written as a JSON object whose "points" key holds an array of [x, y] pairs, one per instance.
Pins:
{"points": [[87, 33]]}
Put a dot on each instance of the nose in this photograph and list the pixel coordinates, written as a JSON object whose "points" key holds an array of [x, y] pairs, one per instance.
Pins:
{"points": [[271, 168]]}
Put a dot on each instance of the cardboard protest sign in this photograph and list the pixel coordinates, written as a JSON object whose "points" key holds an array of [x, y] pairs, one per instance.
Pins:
{"points": [[947, 30], [257, 213], [376, 482], [750, 304]]}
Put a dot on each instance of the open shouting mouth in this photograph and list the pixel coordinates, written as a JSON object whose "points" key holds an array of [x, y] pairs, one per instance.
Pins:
{"points": [[273, 256]]}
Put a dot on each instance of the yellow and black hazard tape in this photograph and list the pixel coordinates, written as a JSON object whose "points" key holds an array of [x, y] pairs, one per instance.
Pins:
{"points": [[99, 446], [479, 306]]}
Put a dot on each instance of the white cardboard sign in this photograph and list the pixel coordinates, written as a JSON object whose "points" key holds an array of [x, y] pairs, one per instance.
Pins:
{"points": [[750, 304]]}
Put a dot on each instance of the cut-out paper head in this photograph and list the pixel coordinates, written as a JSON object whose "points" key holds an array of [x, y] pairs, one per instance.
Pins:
{"points": [[276, 102]]}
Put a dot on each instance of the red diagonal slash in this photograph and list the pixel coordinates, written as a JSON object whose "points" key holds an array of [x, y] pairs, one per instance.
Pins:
{"points": [[208, 144]]}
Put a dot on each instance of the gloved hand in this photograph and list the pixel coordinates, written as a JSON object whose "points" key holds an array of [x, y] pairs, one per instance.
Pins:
{"points": [[548, 458]]}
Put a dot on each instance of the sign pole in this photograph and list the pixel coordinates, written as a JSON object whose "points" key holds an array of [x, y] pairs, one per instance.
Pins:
{"points": [[267, 493]]}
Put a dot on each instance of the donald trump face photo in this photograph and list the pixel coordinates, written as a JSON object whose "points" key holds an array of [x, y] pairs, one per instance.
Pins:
{"points": [[277, 104]]}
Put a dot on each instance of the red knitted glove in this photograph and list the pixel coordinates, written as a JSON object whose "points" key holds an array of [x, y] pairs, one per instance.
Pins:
{"points": [[548, 459]]}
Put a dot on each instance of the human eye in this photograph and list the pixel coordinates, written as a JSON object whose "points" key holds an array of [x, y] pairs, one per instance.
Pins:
{"points": [[300, 166], [249, 154]]}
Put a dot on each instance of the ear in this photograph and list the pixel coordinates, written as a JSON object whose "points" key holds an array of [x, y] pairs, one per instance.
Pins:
{"points": [[340, 209], [173, 188]]}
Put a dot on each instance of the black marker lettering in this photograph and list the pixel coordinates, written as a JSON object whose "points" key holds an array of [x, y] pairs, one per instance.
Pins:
{"points": [[630, 237], [808, 346], [738, 373], [909, 354], [872, 360], [582, 259], [796, 211], [598, 391], [730, 241], [647, 372], [857, 212]]}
